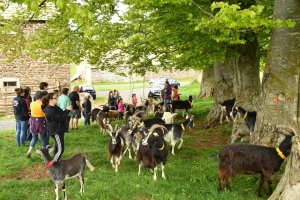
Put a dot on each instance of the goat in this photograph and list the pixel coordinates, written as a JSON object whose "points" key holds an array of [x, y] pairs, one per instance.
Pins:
{"points": [[153, 150], [94, 114], [113, 115], [248, 117], [249, 159], [183, 105], [66, 168], [176, 131], [124, 131], [115, 147], [226, 107], [168, 117], [104, 108], [102, 118]]}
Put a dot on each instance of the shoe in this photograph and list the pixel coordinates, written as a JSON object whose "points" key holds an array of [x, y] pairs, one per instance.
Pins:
{"points": [[28, 155]]}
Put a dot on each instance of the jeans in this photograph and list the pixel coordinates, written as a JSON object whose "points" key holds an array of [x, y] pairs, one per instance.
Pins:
{"points": [[167, 104], [21, 130], [87, 119], [35, 137]]}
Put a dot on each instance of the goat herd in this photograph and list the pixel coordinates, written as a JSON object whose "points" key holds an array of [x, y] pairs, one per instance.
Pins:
{"points": [[149, 137]]}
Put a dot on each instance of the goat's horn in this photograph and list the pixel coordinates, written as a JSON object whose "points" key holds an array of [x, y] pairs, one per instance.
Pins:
{"points": [[155, 126], [237, 103], [116, 127], [108, 126], [136, 113], [289, 129]]}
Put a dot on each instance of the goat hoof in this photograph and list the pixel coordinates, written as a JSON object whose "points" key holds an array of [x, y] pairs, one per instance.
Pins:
{"points": [[258, 195]]}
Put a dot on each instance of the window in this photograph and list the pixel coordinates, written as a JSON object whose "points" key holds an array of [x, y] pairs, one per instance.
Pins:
{"points": [[10, 83]]}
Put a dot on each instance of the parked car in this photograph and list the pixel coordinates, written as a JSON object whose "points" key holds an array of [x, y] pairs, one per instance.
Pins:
{"points": [[89, 89], [155, 90], [162, 81]]}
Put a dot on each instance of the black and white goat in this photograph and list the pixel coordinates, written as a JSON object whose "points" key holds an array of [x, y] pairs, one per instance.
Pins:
{"points": [[248, 117], [153, 151], [242, 158], [176, 131], [182, 105], [66, 168], [94, 114], [102, 119], [127, 135], [115, 147], [226, 107]]}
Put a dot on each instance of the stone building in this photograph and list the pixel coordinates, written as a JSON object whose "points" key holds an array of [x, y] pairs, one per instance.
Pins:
{"points": [[24, 71]]}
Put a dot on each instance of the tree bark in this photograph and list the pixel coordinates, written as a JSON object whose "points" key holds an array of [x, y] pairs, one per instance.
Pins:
{"points": [[280, 99], [207, 83]]}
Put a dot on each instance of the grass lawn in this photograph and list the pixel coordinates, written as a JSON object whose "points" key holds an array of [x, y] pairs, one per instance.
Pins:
{"points": [[191, 174]]}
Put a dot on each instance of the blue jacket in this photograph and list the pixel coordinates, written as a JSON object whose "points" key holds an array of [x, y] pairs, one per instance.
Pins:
{"points": [[20, 109]]}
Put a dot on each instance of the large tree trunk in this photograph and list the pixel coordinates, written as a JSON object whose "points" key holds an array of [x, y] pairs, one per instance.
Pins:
{"points": [[237, 78], [280, 103], [207, 83]]}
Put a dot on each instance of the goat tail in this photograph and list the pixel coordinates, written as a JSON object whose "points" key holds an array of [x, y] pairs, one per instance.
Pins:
{"points": [[89, 164]]}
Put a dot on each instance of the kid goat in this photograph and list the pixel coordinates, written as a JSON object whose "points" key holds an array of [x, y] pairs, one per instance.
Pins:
{"points": [[67, 168], [244, 158]]}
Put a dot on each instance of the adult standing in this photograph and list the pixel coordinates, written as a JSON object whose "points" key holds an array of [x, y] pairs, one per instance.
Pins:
{"points": [[76, 113], [21, 116], [111, 101], [87, 105], [37, 122], [63, 102], [56, 120], [167, 96]]}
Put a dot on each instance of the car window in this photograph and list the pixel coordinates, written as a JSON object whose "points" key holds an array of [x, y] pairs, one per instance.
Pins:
{"points": [[159, 86], [87, 88]]}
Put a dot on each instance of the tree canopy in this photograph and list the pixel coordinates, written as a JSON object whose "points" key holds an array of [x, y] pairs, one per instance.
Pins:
{"points": [[167, 33]]}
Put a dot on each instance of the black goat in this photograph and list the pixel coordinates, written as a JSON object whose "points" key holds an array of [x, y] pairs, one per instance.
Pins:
{"points": [[66, 168], [248, 117], [115, 147], [226, 107], [253, 159], [153, 150], [94, 114], [182, 105], [176, 131]]}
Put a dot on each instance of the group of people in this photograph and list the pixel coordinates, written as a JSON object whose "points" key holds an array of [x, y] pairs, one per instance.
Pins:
{"points": [[48, 114]]}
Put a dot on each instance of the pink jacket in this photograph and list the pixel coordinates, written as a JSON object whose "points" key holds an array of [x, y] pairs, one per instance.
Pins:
{"points": [[120, 107]]}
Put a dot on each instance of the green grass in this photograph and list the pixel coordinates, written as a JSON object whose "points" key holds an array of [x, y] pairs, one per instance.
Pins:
{"points": [[191, 174]]}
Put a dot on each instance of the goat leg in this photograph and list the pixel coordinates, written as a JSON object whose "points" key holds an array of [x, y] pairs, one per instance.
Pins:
{"points": [[63, 189], [270, 187], [140, 166], [181, 141], [81, 180], [163, 171], [261, 182], [155, 171]]}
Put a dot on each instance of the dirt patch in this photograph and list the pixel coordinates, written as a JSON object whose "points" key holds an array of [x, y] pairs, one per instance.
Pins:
{"points": [[35, 172]]}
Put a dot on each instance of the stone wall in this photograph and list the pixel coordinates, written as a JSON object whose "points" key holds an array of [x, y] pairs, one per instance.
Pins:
{"points": [[98, 75], [30, 73]]}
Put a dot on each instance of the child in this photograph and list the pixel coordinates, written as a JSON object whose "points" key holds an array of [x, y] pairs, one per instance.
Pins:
{"points": [[134, 100], [120, 108], [87, 105], [175, 93]]}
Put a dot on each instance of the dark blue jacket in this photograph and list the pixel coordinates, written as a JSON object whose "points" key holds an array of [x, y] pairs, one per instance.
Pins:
{"points": [[20, 109], [87, 105]]}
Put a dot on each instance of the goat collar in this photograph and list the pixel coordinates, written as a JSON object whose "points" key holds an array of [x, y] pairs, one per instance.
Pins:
{"points": [[280, 153], [245, 115], [163, 146], [182, 126]]}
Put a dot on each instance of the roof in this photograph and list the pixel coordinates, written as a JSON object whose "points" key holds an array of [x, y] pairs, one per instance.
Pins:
{"points": [[12, 9]]}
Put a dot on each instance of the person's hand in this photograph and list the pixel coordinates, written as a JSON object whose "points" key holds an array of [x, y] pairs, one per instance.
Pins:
{"points": [[69, 108]]}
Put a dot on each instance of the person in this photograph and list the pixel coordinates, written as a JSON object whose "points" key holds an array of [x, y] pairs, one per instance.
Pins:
{"points": [[28, 135], [175, 93], [21, 116], [29, 95], [37, 123], [134, 100], [120, 108], [76, 113], [63, 102], [112, 104], [87, 105], [117, 95], [56, 119], [167, 96], [43, 87]]}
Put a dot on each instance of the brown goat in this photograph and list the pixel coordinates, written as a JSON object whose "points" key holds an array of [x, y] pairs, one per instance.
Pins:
{"points": [[249, 159]]}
